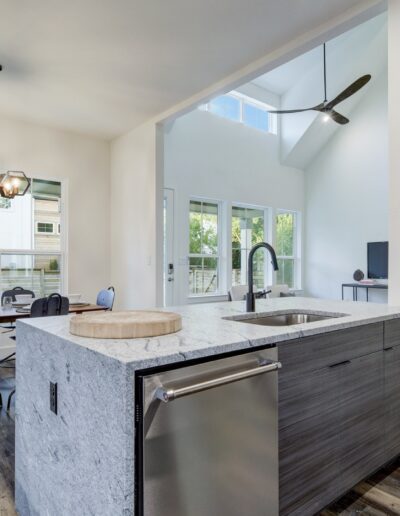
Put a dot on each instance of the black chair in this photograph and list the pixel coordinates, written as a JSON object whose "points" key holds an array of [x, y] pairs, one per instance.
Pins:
{"points": [[16, 291], [45, 307], [50, 306]]}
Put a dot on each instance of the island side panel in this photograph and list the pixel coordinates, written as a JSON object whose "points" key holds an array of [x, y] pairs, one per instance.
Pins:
{"points": [[80, 461]]}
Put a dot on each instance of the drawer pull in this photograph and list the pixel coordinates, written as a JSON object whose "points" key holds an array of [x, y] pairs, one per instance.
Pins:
{"points": [[340, 363]]}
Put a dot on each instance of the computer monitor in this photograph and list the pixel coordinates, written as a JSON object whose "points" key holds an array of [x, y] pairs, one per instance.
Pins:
{"points": [[378, 260]]}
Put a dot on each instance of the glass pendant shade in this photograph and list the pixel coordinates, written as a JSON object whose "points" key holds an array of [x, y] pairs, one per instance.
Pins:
{"points": [[13, 183]]}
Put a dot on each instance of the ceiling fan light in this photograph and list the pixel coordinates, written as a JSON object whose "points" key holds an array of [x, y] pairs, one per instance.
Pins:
{"points": [[326, 118]]}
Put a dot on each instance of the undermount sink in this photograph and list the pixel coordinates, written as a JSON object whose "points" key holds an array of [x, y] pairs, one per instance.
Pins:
{"points": [[284, 319]]}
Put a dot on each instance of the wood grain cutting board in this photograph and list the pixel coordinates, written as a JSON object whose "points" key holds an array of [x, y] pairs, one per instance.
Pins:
{"points": [[125, 325]]}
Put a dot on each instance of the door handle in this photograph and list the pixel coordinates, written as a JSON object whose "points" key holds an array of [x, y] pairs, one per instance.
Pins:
{"points": [[169, 394]]}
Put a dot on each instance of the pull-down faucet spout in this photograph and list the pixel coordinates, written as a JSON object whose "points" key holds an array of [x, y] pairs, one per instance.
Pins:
{"points": [[250, 297]]}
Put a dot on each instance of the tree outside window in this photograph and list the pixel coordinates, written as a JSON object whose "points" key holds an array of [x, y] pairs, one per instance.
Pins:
{"points": [[203, 247], [285, 248]]}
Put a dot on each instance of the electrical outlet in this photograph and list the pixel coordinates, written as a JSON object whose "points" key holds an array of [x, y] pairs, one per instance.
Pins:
{"points": [[53, 397]]}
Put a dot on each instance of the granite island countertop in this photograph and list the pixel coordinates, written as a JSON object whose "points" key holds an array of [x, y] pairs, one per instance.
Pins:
{"points": [[207, 330], [85, 453]]}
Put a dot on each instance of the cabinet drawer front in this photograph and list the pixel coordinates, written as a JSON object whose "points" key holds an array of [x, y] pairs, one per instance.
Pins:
{"points": [[392, 402], [311, 353], [308, 395], [392, 333], [361, 423]]}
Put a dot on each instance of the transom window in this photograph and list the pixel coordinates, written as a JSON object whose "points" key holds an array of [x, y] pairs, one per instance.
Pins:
{"points": [[203, 247], [243, 109]]}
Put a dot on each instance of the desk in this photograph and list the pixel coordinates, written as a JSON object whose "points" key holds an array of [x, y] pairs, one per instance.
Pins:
{"points": [[356, 286], [10, 316]]}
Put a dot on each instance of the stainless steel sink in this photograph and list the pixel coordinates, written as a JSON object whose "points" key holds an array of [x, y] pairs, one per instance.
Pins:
{"points": [[285, 319]]}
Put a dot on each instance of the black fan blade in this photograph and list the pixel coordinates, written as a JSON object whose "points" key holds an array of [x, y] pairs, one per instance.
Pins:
{"points": [[282, 112], [349, 91], [338, 118]]}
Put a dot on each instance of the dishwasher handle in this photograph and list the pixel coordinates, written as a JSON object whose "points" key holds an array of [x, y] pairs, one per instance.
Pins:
{"points": [[169, 394]]}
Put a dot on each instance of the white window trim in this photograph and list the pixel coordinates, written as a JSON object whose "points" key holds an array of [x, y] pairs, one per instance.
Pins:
{"points": [[64, 276], [225, 247], [267, 237], [221, 224], [296, 256]]}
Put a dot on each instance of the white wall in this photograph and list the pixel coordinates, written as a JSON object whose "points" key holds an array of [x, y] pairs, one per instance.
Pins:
{"points": [[347, 198], [134, 218], [352, 54], [83, 162], [211, 157], [394, 151]]}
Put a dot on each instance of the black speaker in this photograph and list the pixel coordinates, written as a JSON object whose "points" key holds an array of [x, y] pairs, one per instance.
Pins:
{"points": [[358, 275]]}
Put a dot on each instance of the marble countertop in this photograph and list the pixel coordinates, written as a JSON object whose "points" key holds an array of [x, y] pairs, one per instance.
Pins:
{"points": [[206, 331]]}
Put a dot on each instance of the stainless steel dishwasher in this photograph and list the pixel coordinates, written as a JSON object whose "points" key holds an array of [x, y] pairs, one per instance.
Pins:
{"points": [[207, 438]]}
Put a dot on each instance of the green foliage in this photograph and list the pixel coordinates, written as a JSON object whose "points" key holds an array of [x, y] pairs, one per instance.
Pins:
{"points": [[53, 265], [284, 234], [257, 235], [203, 233]]}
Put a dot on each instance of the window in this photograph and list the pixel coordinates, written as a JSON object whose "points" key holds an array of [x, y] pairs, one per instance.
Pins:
{"points": [[247, 230], [256, 117], [243, 109], [31, 250], [226, 106], [203, 247], [44, 227], [286, 248]]}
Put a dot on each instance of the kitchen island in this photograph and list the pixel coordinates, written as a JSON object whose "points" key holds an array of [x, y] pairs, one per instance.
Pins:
{"points": [[331, 391]]}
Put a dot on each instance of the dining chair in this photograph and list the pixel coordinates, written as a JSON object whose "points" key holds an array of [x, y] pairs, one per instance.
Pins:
{"points": [[106, 298], [238, 292], [16, 291], [279, 291], [49, 306]]}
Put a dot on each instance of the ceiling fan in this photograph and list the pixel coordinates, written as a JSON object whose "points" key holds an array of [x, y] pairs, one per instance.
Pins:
{"points": [[327, 107]]}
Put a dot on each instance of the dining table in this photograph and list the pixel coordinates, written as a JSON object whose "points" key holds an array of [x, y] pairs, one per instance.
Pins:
{"points": [[10, 315]]}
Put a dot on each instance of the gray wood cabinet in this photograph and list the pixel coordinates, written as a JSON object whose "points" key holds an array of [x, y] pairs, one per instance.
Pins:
{"points": [[360, 428], [392, 388], [392, 402], [331, 394]]}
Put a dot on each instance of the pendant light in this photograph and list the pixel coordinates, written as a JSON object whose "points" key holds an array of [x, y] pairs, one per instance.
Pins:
{"points": [[13, 183]]}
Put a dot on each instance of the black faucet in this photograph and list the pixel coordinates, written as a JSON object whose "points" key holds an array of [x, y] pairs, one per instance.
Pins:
{"points": [[250, 297]]}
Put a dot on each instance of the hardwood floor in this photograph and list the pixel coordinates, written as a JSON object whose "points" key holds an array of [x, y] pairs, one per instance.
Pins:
{"points": [[377, 496]]}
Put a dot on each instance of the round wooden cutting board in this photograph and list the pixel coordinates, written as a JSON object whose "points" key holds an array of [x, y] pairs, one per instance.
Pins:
{"points": [[125, 325]]}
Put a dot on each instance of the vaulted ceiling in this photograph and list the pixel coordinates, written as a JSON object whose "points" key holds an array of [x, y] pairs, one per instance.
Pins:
{"points": [[103, 67]]}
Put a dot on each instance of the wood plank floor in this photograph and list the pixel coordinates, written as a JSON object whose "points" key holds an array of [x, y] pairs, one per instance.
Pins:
{"points": [[377, 496]]}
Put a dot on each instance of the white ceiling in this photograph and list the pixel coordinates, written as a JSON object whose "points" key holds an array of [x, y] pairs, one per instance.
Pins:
{"points": [[104, 66], [283, 78]]}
